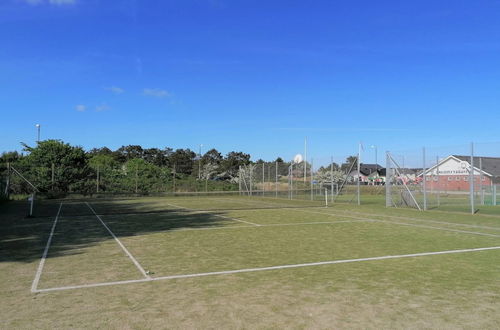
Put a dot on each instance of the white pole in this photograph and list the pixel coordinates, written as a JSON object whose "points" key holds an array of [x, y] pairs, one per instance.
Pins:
{"points": [[331, 178], [424, 178], [312, 193], [326, 197], [276, 179]]}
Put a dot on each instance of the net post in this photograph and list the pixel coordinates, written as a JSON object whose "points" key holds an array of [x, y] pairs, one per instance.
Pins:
{"points": [[32, 200], [388, 180], [326, 197], [331, 178]]}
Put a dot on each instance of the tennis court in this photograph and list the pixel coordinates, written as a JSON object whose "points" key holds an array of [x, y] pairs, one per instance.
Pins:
{"points": [[120, 242]]}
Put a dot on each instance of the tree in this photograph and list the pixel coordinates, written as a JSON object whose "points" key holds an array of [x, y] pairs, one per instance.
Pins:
{"points": [[212, 157], [233, 161], [183, 160], [56, 166], [351, 162]]}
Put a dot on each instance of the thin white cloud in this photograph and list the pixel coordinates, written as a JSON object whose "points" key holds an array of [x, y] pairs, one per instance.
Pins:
{"points": [[62, 2], [80, 107], [156, 92], [115, 90], [102, 107], [50, 2]]}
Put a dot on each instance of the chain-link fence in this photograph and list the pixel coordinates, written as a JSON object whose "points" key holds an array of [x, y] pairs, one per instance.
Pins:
{"points": [[422, 178]]}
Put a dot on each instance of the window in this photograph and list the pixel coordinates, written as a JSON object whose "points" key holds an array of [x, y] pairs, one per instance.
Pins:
{"points": [[457, 178], [483, 179], [466, 178], [450, 178]]}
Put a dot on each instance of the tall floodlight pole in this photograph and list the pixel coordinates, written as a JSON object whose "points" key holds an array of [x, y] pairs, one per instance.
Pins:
{"points": [[305, 159], [359, 174], [471, 178], [38, 133]]}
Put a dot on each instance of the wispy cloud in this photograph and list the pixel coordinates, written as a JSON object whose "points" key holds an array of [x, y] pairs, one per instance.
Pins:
{"points": [[102, 107], [156, 92], [115, 90], [80, 108], [50, 2]]}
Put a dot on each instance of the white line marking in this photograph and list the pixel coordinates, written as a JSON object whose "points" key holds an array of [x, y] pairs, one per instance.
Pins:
{"points": [[213, 214], [120, 243], [34, 285], [409, 224], [339, 212], [248, 270], [440, 228], [273, 225]]}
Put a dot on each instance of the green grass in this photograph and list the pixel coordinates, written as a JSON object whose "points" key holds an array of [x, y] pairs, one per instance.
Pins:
{"points": [[168, 237]]}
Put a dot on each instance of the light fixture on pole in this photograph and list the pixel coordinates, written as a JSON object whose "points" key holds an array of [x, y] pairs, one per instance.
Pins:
{"points": [[38, 133]]}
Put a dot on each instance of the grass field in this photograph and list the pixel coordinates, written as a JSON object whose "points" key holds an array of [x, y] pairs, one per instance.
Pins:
{"points": [[240, 262]]}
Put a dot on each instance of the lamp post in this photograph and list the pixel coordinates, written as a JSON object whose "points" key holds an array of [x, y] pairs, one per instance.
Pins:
{"points": [[38, 133]]}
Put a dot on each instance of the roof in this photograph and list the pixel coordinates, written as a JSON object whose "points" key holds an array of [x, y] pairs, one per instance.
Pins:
{"points": [[367, 169], [490, 165]]}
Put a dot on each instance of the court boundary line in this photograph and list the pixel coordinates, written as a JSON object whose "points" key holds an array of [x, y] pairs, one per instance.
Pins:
{"points": [[409, 224], [39, 270], [136, 263], [279, 267], [213, 214]]}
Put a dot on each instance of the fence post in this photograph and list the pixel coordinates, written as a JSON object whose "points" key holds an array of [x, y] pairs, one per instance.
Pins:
{"points": [[388, 180], [471, 178], [481, 179], [312, 178], [276, 179], [424, 178]]}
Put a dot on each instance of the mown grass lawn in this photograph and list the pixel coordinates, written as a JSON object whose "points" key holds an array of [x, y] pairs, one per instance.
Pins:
{"points": [[168, 237]]}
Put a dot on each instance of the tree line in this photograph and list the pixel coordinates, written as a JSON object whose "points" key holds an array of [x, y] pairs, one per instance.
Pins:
{"points": [[57, 168]]}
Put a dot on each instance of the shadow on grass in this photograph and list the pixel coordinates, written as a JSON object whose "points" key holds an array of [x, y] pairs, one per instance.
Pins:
{"points": [[23, 239]]}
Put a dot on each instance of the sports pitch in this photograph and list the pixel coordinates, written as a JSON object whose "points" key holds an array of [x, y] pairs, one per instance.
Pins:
{"points": [[241, 262]]}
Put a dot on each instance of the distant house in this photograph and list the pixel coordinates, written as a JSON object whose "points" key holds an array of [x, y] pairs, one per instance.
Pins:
{"points": [[453, 172], [368, 173]]}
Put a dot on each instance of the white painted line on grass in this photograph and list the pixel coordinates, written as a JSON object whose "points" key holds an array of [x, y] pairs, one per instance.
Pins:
{"points": [[213, 214], [34, 285], [136, 263], [439, 228], [275, 225], [248, 270], [410, 224]]}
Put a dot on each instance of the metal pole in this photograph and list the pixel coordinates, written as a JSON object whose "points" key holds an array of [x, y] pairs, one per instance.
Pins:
{"points": [[481, 179], [471, 178], [97, 181], [438, 181], [291, 181], [359, 174], [263, 178], [276, 179], [305, 159], [424, 179], [312, 178], [199, 162], [7, 184], [239, 179], [38, 133], [251, 180], [136, 178], [388, 179], [331, 179], [173, 173], [52, 177]]}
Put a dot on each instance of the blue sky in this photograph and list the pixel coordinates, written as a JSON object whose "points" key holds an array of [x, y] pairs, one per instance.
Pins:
{"points": [[255, 76]]}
